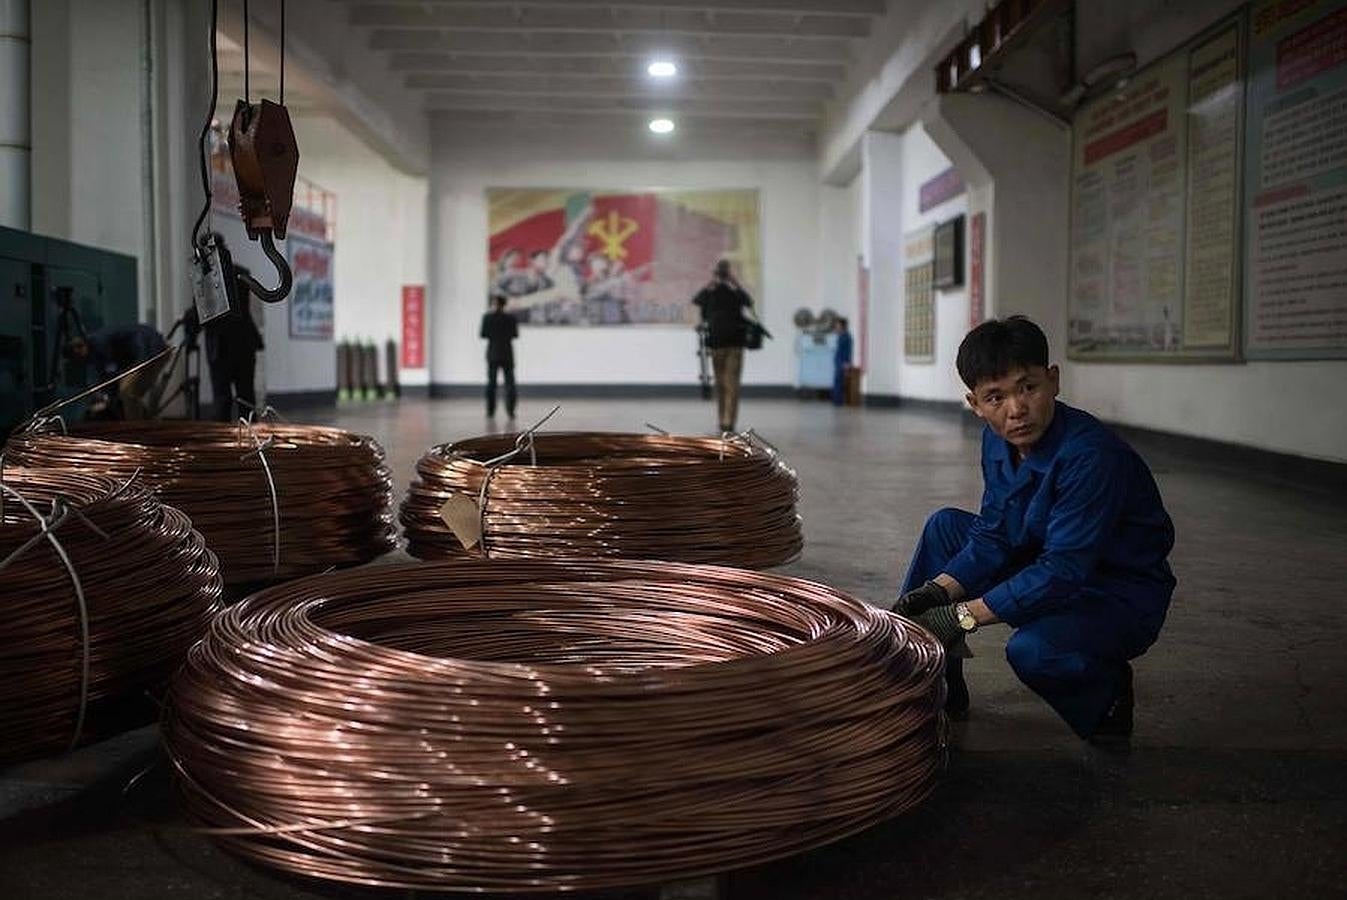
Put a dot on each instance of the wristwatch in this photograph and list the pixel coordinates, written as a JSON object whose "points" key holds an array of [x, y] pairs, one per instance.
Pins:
{"points": [[966, 621]]}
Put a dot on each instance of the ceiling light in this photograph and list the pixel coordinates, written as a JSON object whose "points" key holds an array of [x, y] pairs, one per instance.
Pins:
{"points": [[661, 126], [662, 68]]}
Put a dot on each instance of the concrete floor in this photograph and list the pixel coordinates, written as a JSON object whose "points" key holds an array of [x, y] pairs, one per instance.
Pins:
{"points": [[1235, 785]]}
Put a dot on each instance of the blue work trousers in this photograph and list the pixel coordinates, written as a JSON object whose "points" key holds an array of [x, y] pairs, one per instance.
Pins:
{"points": [[1072, 657], [839, 394]]}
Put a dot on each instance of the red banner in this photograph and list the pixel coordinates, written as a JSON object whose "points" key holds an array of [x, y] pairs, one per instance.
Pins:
{"points": [[1119, 140], [413, 326], [1312, 51]]}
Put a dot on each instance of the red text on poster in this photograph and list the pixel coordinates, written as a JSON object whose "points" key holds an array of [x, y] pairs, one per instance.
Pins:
{"points": [[977, 255], [413, 326]]}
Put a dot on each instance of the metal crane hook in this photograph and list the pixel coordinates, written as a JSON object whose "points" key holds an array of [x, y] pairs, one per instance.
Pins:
{"points": [[282, 290]]}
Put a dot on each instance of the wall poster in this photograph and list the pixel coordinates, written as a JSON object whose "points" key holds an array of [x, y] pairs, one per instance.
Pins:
{"points": [[919, 296], [1154, 259], [1295, 273], [413, 326], [977, 265], [617, 257], [311, 300]]}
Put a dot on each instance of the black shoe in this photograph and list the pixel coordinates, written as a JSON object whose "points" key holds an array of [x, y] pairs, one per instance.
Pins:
{"points": [[1116, 726], [956, 690]]}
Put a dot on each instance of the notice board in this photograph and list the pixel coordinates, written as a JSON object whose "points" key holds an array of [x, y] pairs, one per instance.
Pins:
{"points": [[311, 300], [1155, 208], [1295, 274], [919, 295]]}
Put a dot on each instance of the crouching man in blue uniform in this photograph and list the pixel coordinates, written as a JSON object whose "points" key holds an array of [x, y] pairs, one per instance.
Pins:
{"points": [[1069, 548]]}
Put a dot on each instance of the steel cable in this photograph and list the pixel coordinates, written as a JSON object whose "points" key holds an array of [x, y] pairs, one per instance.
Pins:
{"points": [[273, 500], [540, 725], [606, 495], [148, 585]]}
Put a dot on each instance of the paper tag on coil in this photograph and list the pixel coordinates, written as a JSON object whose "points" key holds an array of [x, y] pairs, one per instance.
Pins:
{"points": [[464, 518]]}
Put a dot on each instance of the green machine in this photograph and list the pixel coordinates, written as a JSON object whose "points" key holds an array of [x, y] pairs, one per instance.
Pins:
{"points": [[52, 292]]}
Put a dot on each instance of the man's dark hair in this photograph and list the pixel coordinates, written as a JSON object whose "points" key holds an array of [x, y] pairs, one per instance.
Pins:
{"points": [[499, 301], [841, 320], [999, 345]]}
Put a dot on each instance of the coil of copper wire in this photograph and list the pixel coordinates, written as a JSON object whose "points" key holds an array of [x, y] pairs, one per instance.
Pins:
{"points": [[273, 500], [607, 495], [536, 725], [70, 654]]}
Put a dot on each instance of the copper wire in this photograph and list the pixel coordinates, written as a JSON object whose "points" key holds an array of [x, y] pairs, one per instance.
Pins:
{"points": [[544, 725], [328, 490], [149, 585], [608, 495]]}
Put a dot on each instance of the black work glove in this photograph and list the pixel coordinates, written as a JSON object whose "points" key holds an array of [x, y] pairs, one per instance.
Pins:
{"points": [[943, 623], [918, 600]]}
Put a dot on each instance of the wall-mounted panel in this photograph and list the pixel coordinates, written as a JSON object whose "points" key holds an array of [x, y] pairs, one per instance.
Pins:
{"points": [[1295, 276], [1154, 260]]}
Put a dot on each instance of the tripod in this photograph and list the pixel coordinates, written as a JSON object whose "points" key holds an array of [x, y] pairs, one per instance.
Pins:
{"points": [[68, 327], [703, 373], [190, 351]]}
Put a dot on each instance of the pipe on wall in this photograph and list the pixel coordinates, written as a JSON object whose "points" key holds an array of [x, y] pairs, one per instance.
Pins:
{"points": [[15, 120]]}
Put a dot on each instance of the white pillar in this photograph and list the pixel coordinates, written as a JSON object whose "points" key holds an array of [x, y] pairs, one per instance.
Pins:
{"points": [[15, 123], [882, 243], [1025, 162]]}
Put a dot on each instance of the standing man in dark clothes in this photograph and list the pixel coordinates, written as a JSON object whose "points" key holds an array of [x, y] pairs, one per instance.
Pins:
{"points": [[1070, 548], [499, 328], [232, 344], [722, 304], [841, 362]]}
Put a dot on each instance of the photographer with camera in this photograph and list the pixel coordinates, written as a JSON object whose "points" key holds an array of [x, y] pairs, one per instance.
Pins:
{"points": [[722, 304]]}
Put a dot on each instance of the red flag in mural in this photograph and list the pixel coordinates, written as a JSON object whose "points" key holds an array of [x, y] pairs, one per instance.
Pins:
{"points": [[609, 258]]}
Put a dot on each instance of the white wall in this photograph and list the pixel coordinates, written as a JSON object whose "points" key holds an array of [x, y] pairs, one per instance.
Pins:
{"points": [[839, 217], [380, 245], [922, 161], [466, 164], [380, 237], [894, 168], [881, 242], [88, 134], [1019, 182]]}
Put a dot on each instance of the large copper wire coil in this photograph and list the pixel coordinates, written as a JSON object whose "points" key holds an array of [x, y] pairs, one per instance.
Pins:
{"points": [[71, 659], [609, 495], [550, 725], [332, 501]]}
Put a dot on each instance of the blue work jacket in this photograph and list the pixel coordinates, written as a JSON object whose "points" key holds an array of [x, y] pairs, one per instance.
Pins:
{"points": [[842, 355], [1080, 515]]}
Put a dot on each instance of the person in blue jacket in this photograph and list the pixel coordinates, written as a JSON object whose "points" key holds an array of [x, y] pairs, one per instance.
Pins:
{"points": [[841, 362], [1069, 548]]}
